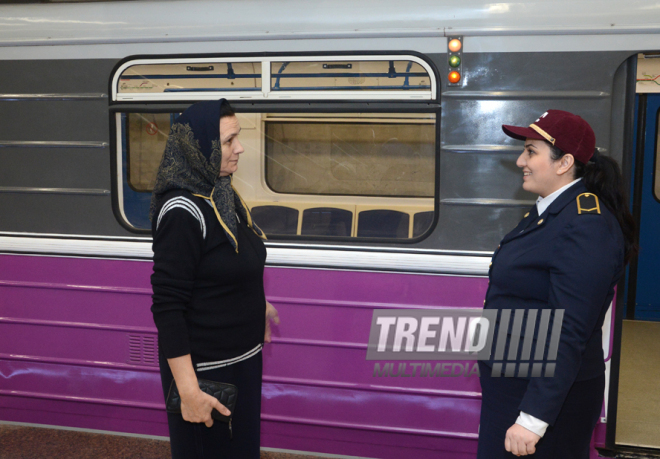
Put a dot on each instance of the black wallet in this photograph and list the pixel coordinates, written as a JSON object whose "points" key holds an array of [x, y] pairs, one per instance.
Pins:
{"points": [[225, 393]]}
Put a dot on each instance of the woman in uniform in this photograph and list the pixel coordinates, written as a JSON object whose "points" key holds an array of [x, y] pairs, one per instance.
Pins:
{"points": [[208, 303], [565, 257]]}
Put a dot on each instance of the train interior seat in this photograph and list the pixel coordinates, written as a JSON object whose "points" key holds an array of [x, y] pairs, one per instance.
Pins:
{"points": [[349, 220], [276, 219], [422, 222], [327, 221], [383, 223]]}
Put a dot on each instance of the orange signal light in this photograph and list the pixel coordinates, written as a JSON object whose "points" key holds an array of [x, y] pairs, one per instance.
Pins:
{"points": [[455, 45], [454, 77]]}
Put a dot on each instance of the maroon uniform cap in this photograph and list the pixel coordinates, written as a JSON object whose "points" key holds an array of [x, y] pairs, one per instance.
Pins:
{"points": [[564, 130]]}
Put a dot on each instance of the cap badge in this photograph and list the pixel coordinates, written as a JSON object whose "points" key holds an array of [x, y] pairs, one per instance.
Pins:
{"points": [[542, 116]]}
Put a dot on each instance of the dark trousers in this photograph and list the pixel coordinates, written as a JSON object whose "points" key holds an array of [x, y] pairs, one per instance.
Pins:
{"points": [[196, 441], [568, 438]]}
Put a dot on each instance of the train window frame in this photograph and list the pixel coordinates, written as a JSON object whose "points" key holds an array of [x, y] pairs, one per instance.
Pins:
{"points": [[386, 101], [266, 92]]}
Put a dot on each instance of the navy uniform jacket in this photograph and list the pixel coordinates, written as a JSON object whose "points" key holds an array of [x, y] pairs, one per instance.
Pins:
{"points": [[567, 260]]}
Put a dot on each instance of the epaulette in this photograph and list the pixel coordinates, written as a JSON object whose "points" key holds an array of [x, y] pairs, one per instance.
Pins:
{"points": [[587, 203]]}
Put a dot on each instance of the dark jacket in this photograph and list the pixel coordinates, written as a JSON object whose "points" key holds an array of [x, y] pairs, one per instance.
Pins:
{"points": [[562, 259], [208, 299]]}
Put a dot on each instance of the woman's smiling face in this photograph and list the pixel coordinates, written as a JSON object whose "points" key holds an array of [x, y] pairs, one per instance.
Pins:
{"points": [[541, 175]]}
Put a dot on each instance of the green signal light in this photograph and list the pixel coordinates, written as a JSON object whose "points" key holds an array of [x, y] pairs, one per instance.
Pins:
{"points": [[454, 61]]}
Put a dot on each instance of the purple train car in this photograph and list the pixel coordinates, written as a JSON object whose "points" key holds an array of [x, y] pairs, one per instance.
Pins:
{"points": [[380, 183]]}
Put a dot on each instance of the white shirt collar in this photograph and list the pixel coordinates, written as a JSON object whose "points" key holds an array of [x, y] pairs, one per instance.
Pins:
{"points": [[543, 203]]}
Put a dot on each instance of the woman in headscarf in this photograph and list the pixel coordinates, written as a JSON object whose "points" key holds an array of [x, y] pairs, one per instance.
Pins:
{"points": [[208, 304]]}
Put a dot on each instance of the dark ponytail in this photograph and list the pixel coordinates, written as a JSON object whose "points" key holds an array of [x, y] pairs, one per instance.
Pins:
{"points": [[602, 177]]}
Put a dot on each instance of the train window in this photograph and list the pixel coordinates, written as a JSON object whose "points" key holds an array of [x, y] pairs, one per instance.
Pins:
{"points": [[304, 174], [349, 76], [308, 174], [190, 77]]}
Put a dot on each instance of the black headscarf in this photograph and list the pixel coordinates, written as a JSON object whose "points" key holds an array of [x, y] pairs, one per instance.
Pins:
{"points": [[192, 161]]}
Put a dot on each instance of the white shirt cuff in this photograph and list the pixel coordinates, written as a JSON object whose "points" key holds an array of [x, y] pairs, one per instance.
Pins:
{"points": [[531, 423]]}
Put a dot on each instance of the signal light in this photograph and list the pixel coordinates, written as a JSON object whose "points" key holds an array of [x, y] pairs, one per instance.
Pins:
{"points": [[455, 61], [455, 45]]}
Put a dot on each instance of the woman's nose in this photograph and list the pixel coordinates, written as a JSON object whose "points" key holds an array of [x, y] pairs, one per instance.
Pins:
{"points": [[520, 162], [239, 147]]}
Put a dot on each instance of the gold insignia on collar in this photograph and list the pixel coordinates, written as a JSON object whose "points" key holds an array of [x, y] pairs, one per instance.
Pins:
{"points": [[587, 203], [540, 221], [526, 215]]}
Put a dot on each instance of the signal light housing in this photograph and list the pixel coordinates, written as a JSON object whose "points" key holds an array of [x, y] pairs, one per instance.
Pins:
{"points": [[455, 61]]}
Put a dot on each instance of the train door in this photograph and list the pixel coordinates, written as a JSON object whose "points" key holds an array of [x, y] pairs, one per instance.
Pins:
{"points": [[637, 422]]}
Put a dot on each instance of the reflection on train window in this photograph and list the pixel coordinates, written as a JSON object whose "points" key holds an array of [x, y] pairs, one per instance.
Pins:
{"points": [[197, 77], [349, 75], [308, 175]]}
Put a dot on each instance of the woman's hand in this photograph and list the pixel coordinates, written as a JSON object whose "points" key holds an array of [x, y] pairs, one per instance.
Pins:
{"points": [[271, 314], [196, 406], [520, 441]]}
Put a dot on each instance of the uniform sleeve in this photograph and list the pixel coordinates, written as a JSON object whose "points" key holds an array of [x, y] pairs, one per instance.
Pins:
{"points": [[581, 275], [177, 246]]}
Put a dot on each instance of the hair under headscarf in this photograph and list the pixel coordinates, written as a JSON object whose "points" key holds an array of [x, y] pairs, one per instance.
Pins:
{"points": [[191, 162]]}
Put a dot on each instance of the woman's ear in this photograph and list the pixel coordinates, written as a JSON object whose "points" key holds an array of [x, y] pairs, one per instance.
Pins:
{"points": [[565, 164]]}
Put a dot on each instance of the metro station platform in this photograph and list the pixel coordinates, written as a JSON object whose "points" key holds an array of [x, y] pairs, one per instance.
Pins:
{"points": [[27, 441]]}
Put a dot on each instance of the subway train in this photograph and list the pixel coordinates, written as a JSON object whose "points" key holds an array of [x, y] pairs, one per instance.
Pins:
{"points": [[374, 161]]}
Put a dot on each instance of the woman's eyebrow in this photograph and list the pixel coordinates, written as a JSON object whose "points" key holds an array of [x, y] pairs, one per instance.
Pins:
{"points": [[232, 135], [529, 145]]}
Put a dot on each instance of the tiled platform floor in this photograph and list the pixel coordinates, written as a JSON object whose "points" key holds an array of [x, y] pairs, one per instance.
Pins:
{"points": [[20, 442]]}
